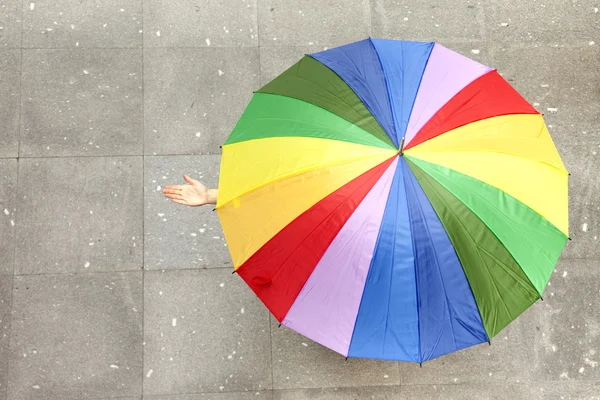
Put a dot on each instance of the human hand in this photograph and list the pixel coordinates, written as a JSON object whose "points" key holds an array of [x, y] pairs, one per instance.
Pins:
{"points": [[192, 194]]}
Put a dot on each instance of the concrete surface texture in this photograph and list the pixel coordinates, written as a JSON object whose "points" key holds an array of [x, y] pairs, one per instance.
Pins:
{"points": [[109, 290]]}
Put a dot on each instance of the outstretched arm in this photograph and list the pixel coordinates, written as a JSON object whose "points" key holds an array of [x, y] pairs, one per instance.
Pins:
{"points": [[194, 193]]}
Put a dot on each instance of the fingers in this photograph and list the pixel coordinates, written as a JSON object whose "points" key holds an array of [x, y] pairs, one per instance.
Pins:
{"points": [[176, 197], [172, 190], [177, 187], [173, 195]]}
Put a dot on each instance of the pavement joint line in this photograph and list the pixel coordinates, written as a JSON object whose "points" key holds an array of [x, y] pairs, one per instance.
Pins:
{"points": [[392, 385], [143, 189], [168, 270], [446, 42], [14, 236], [122, 271], [112, 156]]}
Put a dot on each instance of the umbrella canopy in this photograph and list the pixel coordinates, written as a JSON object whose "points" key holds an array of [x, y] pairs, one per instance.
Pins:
{"points": [[393, 200]]}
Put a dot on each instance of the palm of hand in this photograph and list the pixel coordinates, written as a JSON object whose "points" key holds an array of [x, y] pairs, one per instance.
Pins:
{"points": [[192, 194], [195, 194]]}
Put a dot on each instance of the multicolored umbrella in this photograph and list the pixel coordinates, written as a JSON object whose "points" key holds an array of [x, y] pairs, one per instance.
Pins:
{"points": [[393, 200]]}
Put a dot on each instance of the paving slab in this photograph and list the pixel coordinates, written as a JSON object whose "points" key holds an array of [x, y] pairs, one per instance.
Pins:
{"points": [[10, 21], [479, 51], [583, 162], [567, 324], [121, 398], [299, 362], [540, 391], [8, 219], [67, 23], [204, 331], [177, 236], [552, 21], [10, 97], [429, 20], [341, 393], [81, 214], [188, 23], [262, 395], [81, 102], [499, 391], [194, 97], [5, 307], [313, 22], [76, 336], [565, 390]]}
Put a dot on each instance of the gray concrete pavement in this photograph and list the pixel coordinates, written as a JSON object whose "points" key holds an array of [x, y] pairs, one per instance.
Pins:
{"points": [[109, 290]]}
